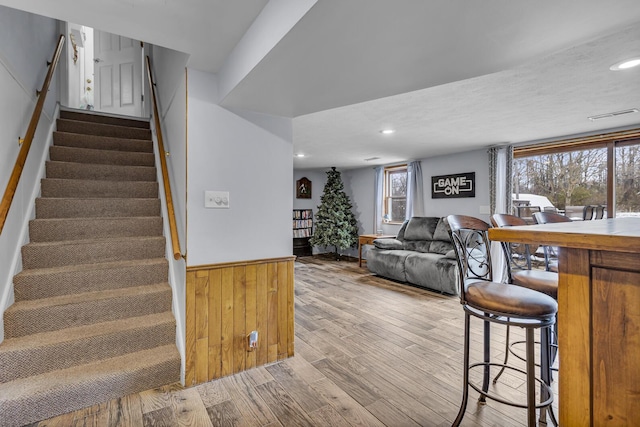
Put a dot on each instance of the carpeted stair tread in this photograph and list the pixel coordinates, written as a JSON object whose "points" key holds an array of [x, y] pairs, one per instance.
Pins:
{"points": [[92, 317], [71, 170], [55, 281], [57, 187], [43, 396], [67, 139], [99, 156], [104, 118], [57, 229], [69, 252], [75, 126], [47, 351], [49, 207], [66, 311]]}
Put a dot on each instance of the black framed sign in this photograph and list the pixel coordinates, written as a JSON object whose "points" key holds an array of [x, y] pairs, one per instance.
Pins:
{"points": [[453, 186]]}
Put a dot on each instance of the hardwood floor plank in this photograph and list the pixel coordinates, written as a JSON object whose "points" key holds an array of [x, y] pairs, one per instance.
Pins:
{"points": [[124, 412], [389, 414], [251, 406], [189, 410], [299, 389], [164, 417], [157, 398], [345, 405], [213, 393], [328, 416], [258, 376], [352, 384], [283, 405], [225, 414], [303, 369], [307, 351]]}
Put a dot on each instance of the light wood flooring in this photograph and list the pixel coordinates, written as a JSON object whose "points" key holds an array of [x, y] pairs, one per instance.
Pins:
{"points": [[369, 352]]}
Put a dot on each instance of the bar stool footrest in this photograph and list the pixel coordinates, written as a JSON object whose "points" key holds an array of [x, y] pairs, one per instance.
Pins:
{"points": [[499, 399]]}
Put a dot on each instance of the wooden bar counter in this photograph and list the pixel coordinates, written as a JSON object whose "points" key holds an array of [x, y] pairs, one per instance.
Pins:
{"points": [[598, 316]]}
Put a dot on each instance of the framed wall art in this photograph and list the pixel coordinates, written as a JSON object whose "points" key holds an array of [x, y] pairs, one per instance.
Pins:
{"points": [[303, 188]]}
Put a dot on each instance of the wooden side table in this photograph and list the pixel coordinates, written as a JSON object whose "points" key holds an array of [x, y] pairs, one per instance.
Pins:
{"points": [[367, 239]]}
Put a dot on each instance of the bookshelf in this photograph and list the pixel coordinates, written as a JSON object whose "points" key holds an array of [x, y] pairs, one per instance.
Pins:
{"points": [[302, 231]]}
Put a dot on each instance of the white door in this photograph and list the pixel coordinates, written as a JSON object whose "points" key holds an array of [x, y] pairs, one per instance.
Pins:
{"points": [[117, 73]]}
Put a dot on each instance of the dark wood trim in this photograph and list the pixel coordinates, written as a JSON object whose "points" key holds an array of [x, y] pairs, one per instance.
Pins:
{"points": [[240, 263], [584, 143]]}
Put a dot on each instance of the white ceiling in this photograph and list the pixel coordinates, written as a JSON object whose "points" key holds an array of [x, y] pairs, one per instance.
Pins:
{"points": [[447, 75]]}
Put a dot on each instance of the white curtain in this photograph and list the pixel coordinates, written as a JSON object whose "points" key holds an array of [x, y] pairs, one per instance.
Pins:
{"points": [[500, 199], [377, 198], [415, 190]]}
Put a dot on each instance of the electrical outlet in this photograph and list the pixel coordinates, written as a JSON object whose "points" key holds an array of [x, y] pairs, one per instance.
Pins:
{"points": [[216, 199], [253, 340]]}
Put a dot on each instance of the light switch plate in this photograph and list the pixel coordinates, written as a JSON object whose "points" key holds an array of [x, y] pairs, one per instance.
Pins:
{"points": [[216, 199], [485, 210]]}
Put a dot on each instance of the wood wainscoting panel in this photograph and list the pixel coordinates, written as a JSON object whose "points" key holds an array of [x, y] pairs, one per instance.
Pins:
{"points": [[224, 303]]}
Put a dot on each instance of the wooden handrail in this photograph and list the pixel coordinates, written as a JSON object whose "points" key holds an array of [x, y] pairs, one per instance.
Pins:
{"points": [[14, 179], [175, 243]]}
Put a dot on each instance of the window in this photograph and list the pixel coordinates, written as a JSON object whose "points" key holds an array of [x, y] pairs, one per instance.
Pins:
{"points": [[395, 193], [577, 175]]}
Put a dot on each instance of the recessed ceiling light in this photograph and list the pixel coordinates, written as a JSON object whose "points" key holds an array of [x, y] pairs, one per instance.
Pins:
{"points": [[299, 155], [387, 131], [626, 64]]}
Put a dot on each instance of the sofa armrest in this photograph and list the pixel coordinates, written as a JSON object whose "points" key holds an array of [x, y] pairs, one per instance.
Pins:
{"points": [[387, 244]]}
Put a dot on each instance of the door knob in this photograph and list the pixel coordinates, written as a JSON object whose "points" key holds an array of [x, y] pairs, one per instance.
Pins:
{"points": [[96, 60]]}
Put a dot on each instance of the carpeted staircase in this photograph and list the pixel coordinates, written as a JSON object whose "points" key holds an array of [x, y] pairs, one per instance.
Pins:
{"points": [[92, 319]]}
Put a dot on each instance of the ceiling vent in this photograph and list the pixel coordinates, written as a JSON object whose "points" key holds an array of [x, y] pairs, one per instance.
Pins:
{"points": [[371, 159], [615, 114]]}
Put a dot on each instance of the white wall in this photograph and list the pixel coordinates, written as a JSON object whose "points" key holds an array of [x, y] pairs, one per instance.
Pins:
{"points": [[170, 76], [471, 161], [226, 152], [359, 186], [26, 43]]}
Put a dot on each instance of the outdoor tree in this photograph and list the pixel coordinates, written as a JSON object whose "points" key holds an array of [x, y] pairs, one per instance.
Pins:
{"points": [[336, 224]]}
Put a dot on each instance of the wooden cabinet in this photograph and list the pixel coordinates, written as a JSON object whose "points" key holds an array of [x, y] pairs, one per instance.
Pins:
{"points": [[302, 231]]}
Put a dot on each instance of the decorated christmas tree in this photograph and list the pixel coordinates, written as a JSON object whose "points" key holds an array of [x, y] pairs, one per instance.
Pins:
{"points": [[335, 222]]}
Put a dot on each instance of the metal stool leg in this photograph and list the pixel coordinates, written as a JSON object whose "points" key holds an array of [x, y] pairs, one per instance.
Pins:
{"points": [[506, 355], [465, 374], [531, 378], [545, 374], [487, 360]]}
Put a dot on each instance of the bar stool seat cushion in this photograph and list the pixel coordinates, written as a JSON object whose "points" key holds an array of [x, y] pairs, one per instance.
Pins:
{"points": [[538, 280], [509, 300]]}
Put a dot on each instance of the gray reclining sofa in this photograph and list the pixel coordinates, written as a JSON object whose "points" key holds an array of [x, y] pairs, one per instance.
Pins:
{"points": [[421, 254]]}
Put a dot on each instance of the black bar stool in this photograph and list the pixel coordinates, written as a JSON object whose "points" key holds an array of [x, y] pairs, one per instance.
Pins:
{"points": [[499, 303]]}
